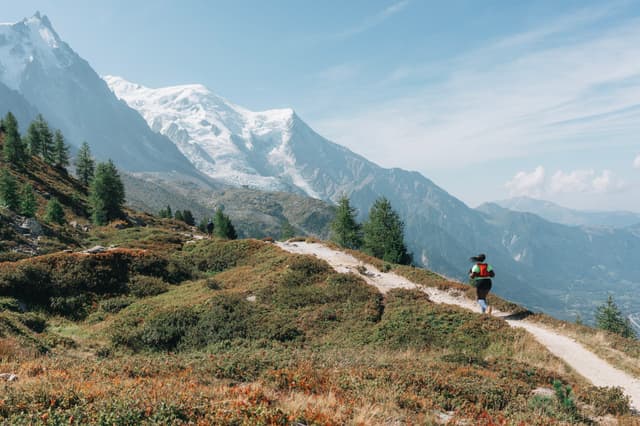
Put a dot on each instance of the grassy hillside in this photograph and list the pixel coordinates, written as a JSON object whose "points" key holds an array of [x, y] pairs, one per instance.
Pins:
{"points": [[241, 332], [171, 327]]}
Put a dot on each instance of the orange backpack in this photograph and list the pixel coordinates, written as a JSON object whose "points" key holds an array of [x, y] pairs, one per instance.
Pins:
{"points": [[484, 270]]}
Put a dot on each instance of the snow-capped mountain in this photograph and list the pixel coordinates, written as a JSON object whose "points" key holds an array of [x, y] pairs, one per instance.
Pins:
{"points": [[39, 66], [225, 141]]}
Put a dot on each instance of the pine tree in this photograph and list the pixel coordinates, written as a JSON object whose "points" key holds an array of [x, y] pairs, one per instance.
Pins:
{"points": [[34, 137], [169, 212], [9, 191], [13, 148], [187, 216], [46, 149], [179, 216], [222, 226], [85, 164], [106, 194], [54, 212], [345, 231], [384, 234], [60, 151], [28, 203], [609, 317]]}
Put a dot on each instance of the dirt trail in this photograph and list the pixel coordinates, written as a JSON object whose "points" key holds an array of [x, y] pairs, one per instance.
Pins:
{"points": [[593, 368]]}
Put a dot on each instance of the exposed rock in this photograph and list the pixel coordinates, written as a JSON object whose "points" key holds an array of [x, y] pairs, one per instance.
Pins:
{"points": [[9, 377], [95, 249], [32, 226]]}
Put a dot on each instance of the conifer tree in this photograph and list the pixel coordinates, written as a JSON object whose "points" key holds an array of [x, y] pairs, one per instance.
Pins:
{"points": [[106, 194], [54, 212], [384, 234], [85, 164], [34, 138], [28, 203], [60, 151], [609, 317], [179, 216], [345, 231], [46, 149], [222, 226], [187, 216], [13, 148], [9, 191], [169, 212]]}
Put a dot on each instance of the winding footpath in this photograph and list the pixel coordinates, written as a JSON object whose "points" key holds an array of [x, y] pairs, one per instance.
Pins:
{"points": [[587, 364]]}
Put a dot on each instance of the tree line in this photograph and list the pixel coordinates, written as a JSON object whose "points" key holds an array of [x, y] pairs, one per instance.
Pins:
{"points": [[219, 225], [381, 235], [102, 181]]}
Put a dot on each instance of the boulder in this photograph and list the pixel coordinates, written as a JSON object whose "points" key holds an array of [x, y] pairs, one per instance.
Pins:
{"points": [[32, 226]]}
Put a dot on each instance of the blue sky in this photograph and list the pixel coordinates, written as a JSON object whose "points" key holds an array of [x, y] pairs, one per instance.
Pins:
{"points": [[487, 98]]}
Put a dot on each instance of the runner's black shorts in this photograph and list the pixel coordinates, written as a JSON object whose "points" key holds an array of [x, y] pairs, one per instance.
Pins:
{"points": [[483, 286]]}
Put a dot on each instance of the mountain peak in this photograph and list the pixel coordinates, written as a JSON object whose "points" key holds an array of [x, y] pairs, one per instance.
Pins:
{"points": [[29, 41]]}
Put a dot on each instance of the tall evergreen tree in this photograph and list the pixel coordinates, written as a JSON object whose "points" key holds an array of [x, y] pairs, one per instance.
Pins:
{"points": [[384, 234], [9, 191], [28, 203], [54, 212], [345, 231], [60, 151], [106, 194], [13, 149], [85, 164], [179, 216], [46, 149], [609, 317], [34, 137], [188, 218], [222, 226]]}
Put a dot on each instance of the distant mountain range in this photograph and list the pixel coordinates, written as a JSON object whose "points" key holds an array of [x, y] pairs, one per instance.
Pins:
{"points": [[558, 214], [544, 265]]}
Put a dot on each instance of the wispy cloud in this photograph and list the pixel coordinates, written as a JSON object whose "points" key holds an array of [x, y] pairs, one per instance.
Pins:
{"points": [[538, 184], [374, 20], [553, 89]]}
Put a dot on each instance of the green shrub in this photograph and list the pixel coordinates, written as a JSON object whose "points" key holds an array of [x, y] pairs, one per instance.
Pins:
{"points": [[74, 307], [116, 304], [217, 255], [212, 284], [166, 330], [35, 322], [9, 304], [304, 270], [608, 400], [145, 286]]}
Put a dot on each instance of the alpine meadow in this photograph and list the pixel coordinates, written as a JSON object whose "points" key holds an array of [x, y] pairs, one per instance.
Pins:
{"points": [[170, 257]]}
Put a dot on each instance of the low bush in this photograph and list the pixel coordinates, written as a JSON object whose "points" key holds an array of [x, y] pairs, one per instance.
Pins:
{"points": [[115, 304], [218, 255], [34, 321], [52, 281], [607, 400], [73, 307], [9, 304], [145, 286]]}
